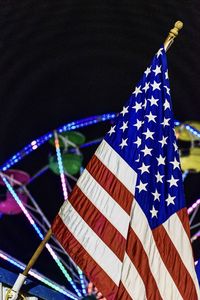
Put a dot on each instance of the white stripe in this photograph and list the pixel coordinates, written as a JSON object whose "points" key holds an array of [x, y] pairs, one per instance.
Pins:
{"points": [[104, 203], [117, 165], [181, 241], [132, 281], [165, 283], [95, 247]]}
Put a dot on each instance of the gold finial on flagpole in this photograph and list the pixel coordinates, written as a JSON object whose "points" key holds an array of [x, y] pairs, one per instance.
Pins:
{"points": [[172, 34]]}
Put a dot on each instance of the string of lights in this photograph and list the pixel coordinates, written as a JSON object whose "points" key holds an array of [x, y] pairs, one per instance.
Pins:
{"points": [[193, 130], [196, 236], [193, 209], [38, 231], [60, 166], [65, 194], [37, 275], [35, 144], [193, 206]]}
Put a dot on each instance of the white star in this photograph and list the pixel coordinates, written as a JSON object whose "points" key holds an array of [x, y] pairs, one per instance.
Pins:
{"points": [[144, 168], [124, 111], [163, 141], [175, 146], [151, 117], [159, 52], [138, 124], [123, 143], [175, 164], [157, 70], [161, 160], [173, 181], [138, 142], [148, 71], [147, 151], [166, 122], [156, 85], [137, 106], [148, 134], [153, 101], [146, 87], [112, 130], [124, 126], [167, 89], [154, 212], [156, 195], [142, 186], [166, 75], [166, 104], [159, 177], [137, 90], [170, 200]]}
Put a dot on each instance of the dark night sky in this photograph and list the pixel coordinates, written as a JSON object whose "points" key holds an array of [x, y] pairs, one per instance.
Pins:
{"points": [[65, 60]]}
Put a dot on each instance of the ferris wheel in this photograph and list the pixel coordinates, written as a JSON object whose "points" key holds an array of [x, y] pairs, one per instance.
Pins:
{"points": [[67, 145]]}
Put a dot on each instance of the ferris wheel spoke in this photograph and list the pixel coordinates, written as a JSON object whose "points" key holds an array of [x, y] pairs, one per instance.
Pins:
{"points": [[195, 226], [38, 209], [38, 174]]}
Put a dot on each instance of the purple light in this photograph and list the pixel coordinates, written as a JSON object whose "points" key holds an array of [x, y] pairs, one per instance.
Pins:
{"points": [[193, 206]]}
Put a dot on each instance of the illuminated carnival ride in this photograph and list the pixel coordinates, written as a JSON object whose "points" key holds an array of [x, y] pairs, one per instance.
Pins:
{"points": [[66, 146]]}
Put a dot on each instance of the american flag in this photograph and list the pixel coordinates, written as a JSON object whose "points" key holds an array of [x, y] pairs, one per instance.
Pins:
{"points": [[125, 223]]}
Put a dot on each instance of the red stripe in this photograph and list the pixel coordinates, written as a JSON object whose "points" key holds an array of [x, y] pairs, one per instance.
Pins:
{"points": [[122, 293], [174, 264], [183, 216], [80, 256], [110, 183], [98, 223], [139, 258]]}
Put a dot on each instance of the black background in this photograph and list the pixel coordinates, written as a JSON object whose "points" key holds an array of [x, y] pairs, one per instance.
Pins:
{"points": [[65, 60]]}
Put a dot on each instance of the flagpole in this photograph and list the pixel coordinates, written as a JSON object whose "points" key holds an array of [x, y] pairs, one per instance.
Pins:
{"points": [[172, 35], [12, 294], [37, 252]]}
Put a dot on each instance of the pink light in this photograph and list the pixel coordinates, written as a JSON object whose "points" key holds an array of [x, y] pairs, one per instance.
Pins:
{"points": [[62, 177], [193, 206], [190, 210], [3, 256]]}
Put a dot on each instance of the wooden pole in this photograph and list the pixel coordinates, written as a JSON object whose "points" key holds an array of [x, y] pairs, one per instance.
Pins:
{"points": [[37, 252], [172, 34], [13, 293]]}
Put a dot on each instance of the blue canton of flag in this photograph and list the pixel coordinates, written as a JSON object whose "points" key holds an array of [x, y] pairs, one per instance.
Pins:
{"points": [[144, 136]]}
